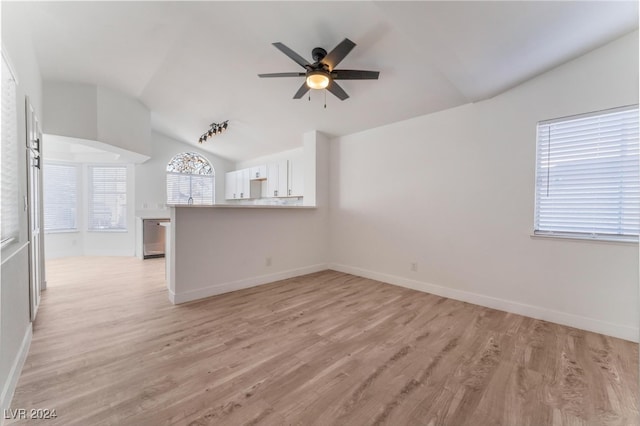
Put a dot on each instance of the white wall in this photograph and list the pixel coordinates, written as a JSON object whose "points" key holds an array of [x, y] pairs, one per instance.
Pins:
{"points": [[296, 153], [15, 325], [71, 109], [454, 192], [123, 122], [220, 249], [91, 112]]}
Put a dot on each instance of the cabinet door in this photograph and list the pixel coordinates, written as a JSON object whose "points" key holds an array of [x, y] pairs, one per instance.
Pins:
{"points": [[283, 183], [259, 172], [295, 181], [230, 182], [272, 180], [243, 186]]}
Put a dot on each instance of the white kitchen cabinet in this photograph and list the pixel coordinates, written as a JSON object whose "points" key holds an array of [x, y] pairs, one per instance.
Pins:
{"points": [[285, 179], [243, 183], [259, 172], [273, 177], [295, 178], [230, 184], [237, 185]]}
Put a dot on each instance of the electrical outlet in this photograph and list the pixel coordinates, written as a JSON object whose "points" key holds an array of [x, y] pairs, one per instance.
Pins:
{"points": [[267, 261], [414, 266]]}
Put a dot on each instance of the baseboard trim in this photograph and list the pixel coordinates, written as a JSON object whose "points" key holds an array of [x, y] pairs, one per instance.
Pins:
{"points": [[201, 293], [585, 323], [172, 296], [9, 386]]}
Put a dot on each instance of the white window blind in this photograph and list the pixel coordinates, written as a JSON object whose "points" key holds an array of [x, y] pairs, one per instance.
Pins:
{"points": [[107, 198], [185, 188], [60, 197], [9, 200], [588, 176]]}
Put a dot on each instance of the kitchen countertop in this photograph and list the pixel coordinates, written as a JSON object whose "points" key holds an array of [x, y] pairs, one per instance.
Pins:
{"points": [[243, 206]]}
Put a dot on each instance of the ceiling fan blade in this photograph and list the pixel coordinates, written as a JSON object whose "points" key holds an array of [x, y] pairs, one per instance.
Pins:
{"points": [[335, 88], [301, 91], [338, 53], [293, 55], [283, 74], [354, 75]]}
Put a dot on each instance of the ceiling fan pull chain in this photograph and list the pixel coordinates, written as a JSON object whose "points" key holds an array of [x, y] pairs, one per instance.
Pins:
{"points": [[325, 98]]}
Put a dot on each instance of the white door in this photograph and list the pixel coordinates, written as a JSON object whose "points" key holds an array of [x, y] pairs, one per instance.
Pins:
{"points": [[34, 187]]}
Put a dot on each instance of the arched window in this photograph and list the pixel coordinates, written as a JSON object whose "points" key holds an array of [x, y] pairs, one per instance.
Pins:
{"points": [[190, 180]]}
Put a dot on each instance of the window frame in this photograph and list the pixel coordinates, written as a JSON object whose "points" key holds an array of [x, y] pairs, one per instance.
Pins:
{"points": [[90, 193], [566, 234], [202, 176]]}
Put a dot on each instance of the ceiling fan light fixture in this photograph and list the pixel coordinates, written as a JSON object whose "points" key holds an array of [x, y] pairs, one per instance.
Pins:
{"points": [[318, 80]]}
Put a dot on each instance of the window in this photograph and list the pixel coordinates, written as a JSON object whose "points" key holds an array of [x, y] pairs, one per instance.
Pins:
{"points": [[60, 197], [107, 198], [9, 201], [190, 180], [588, 177]]}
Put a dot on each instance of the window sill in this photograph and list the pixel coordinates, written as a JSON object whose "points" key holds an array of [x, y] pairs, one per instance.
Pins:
{"points": [[61, 231], [608, 240], [109, 231], [7, 242]]}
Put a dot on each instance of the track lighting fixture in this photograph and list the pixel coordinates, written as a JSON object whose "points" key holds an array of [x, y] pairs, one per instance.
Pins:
{"points": [[214, 129]]}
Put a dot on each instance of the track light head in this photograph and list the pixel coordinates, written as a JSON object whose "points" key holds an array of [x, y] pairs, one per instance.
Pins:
{"points": [[214, 129]]}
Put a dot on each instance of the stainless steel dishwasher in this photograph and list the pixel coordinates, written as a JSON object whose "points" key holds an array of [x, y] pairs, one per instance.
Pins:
{"points": [[153, 238]]}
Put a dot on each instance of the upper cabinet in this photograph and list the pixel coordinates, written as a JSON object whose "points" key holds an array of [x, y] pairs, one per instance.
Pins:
{"points": [[258, 172], [281, 179], [295, 178], [230, 186], [273, 181], [238, 185]]}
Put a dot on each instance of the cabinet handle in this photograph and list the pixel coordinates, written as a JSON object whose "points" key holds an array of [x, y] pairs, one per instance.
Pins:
{"points": [[275, 193], [242, 195], [257, 174], [234, 195], [289, 192]]}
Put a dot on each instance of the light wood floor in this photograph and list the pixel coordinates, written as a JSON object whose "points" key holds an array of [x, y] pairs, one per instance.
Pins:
{"points": [[326, 349]]}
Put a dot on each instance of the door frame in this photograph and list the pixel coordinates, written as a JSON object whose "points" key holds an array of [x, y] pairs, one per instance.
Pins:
{"points": [[35, 216]]}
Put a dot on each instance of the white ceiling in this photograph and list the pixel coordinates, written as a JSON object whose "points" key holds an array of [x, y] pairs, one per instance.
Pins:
{"points": [[194, 63]]}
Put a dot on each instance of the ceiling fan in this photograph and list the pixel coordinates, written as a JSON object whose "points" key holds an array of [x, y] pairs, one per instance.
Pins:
{"points": [[323, 73]]}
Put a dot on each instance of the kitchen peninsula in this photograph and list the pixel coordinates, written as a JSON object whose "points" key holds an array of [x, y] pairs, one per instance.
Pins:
{"points": [[226, 247]]}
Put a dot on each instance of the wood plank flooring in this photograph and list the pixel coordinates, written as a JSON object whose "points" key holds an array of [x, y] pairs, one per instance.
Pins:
{"points": [[323, 349]]}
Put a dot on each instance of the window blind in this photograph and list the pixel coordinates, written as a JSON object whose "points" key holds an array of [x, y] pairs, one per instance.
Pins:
{"points": [[9, 198], [588, 176], [107, 198], [181, 187], [60, 197]]}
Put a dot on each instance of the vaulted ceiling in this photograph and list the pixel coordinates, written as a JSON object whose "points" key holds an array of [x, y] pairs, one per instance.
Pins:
{"points": [[194, 63]]}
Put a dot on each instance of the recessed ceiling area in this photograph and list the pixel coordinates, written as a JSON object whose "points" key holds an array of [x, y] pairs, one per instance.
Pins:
{"points": [[194, 63]]}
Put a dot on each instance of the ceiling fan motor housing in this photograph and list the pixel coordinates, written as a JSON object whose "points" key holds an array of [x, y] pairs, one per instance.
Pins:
{"points": [[318, 54]]}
